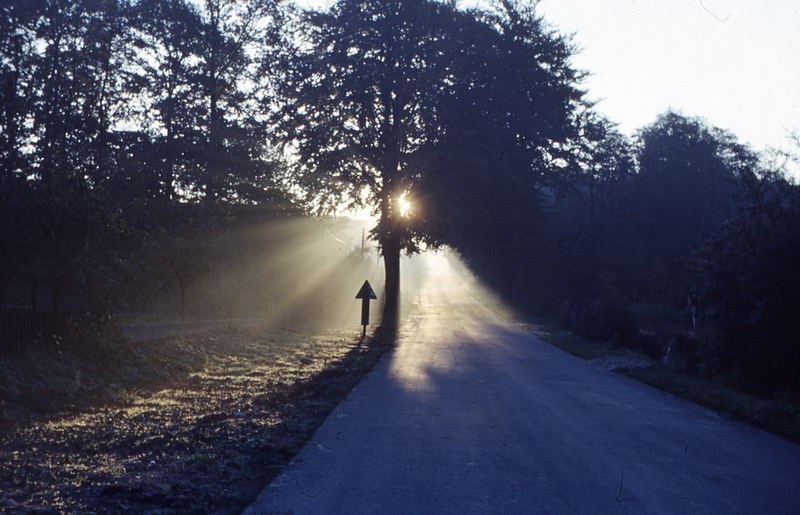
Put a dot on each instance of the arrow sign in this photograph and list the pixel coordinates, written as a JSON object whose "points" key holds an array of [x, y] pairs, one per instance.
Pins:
{"points": [[366, 294]]}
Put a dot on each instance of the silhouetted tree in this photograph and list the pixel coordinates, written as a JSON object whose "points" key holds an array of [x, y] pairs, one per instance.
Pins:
{"points": [[161, 70], [66, 96], [751, 285], [113, 112], [15, 190], [381, 99], [505, 121], [196, 69], [686, 178], [357, 104], [603, 160]]}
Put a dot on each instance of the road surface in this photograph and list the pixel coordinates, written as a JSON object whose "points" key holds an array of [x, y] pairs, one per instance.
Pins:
{"points": [[473, 415]]}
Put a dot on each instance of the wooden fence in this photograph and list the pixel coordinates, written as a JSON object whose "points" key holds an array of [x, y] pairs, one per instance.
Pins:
{"points": [[22, 326]]}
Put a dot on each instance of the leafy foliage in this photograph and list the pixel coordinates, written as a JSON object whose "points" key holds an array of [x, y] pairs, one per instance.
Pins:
{"points": [[752, 284], [679, 244], [115, 115], [385, 99]]}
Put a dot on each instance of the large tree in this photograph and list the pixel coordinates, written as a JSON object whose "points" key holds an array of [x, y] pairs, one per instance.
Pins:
{"points": [[377, 94], [194, 70], [683, 191]]}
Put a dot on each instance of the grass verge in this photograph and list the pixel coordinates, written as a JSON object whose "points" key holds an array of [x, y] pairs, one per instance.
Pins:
{"points": [[775, 415], [184, 424]]}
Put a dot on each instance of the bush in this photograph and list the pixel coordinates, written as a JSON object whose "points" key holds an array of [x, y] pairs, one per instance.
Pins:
{"points": [[609, 320], [752, 286], [647, 342]]}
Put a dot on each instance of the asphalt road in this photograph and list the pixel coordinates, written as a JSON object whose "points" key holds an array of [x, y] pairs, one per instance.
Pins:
{"points": [[472, 415]]}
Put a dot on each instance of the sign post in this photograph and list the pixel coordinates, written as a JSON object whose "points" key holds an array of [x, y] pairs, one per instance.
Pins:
{"points": [[366, 294]]}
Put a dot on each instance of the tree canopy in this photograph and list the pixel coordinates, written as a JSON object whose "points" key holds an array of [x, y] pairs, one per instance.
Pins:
{"points": [[114, 115], [389, 99]]}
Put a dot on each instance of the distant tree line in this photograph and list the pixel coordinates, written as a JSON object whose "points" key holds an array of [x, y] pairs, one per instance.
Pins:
{"points": [[681, 242]]}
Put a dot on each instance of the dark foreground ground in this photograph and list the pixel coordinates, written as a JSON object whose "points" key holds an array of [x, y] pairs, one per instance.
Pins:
{"points": [[206, 441]]}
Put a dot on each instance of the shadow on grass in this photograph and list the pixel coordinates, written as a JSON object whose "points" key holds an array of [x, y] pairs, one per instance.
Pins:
{"points": [[334, 382], [208, 445], [301, 408], [69, 377]]}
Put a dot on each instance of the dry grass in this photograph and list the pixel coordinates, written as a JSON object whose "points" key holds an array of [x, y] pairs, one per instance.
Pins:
{"points": [[73, 376], [182, 424], [580, 346]]}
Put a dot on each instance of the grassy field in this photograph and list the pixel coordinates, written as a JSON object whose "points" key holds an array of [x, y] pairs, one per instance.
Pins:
{"points": [[778, 415], [181, 424]]}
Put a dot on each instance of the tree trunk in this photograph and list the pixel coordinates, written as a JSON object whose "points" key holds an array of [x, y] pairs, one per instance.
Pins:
{"points": [[391, 263]]}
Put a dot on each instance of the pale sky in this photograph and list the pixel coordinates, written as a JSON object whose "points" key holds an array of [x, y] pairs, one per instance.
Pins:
{"points": [[732, 62]]}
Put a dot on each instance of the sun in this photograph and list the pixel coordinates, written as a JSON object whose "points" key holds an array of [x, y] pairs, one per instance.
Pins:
{"points": [[404, 206]]}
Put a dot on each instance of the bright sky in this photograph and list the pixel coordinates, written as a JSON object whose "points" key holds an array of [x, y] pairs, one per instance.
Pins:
{"points": [[733, 62]]}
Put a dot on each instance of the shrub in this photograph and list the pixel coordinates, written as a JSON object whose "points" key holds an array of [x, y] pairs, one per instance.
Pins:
{"points": [[607, 319]]}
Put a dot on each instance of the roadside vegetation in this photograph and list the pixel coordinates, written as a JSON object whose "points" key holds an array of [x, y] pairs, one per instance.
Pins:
{"points": [[183, 424], [779, 414], [681, 244]]}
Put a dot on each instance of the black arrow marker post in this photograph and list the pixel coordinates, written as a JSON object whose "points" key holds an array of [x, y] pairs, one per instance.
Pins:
{"points": [[366, 294]]}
